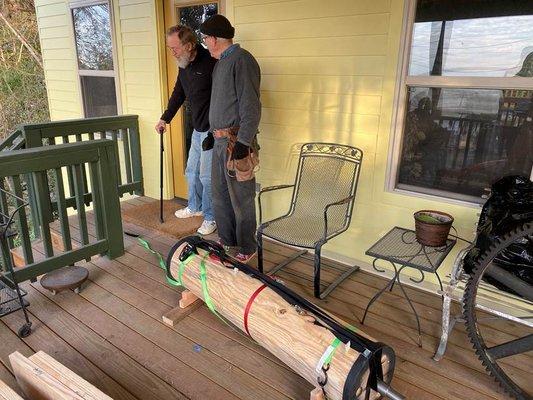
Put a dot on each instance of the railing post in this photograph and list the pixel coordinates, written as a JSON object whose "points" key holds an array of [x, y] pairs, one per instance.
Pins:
{"points": [[33, 138], [136, 156], [7, 262], [45, 210], [34, 205], [110, 204], [22, 222]]}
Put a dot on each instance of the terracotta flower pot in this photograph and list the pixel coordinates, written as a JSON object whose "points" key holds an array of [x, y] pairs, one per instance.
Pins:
{"points": [[432, 227]]}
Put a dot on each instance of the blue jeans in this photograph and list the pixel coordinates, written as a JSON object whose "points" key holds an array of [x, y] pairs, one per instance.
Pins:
{"points": [[198, 174]]}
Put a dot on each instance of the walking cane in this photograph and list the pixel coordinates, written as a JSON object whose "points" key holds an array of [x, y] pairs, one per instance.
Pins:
{"points": [[162, 150]]}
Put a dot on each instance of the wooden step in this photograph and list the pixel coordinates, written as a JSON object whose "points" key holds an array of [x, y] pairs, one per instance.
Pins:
{"points": [[57, 244]]}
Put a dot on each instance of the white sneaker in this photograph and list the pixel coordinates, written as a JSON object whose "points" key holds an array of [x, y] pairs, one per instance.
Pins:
{"points": [[187, 213], [207, 227]]}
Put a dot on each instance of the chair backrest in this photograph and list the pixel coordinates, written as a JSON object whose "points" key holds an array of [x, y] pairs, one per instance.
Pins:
{"points": [[326, 173]]}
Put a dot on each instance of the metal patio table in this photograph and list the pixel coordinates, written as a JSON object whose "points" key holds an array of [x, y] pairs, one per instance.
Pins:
{"points": [[401, 249]]}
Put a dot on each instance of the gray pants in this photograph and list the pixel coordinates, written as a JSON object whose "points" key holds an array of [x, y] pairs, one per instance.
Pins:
{"points": [[233, 203]]}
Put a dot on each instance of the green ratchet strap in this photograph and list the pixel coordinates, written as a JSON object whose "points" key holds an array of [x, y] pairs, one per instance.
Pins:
{"points": [[162, 264], [203, 278], [333, 347], [179, 281]]}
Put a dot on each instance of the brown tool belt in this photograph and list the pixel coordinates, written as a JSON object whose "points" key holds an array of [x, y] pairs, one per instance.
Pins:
{"points": [[226, 132], [242, 170]]}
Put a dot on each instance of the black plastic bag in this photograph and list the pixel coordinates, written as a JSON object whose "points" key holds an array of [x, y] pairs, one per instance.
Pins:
{"points": [[509, 206]]}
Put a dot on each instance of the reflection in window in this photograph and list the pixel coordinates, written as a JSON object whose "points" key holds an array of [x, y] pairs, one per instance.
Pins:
{"points": [[92, 32], [461, 140], [472, 38], [193, 16]]}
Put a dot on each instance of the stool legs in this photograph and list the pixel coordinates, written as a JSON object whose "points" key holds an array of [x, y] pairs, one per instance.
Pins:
{"points": [[389, 285]]}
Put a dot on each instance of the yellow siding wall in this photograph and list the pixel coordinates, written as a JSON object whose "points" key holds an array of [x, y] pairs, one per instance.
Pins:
{"points": [[138, 45], [59, 58], [329, 71], [138, 53]]}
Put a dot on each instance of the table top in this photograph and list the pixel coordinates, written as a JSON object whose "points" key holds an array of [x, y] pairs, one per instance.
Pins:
{"points": [[400, 246]]}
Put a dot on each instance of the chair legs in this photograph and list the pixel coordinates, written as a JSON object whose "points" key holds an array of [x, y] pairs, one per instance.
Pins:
{"points": [[316, 275], [260, 251], [317, 268]]}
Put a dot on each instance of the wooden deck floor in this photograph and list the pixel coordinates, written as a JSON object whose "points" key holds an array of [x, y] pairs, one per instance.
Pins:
{"points": [[112, 335]]}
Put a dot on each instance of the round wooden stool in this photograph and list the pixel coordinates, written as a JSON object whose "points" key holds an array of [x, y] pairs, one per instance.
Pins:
{"points": [[65, 278]]}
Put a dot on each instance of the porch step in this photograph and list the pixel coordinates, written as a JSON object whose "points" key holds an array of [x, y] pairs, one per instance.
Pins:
{"points": [[57, 244], [18, 255]]}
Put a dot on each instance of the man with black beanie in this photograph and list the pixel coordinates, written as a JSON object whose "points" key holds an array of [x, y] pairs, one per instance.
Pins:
{"points": [[234, 107]]}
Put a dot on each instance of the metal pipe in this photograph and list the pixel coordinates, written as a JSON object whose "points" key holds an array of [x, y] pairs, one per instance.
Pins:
{"points": [[389, 392]]}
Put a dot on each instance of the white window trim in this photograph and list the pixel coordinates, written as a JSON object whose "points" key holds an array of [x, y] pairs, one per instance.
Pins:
{"points": [[404, 81], [114, 73]]}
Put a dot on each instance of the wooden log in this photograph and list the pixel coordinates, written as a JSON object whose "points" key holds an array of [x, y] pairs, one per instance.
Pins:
{"points": [[36, 383], [6, 393], [68, 378], [274, 323]]}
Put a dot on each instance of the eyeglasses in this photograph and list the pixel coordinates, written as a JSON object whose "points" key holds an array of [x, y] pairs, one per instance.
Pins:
{"points": [[204, 37]]}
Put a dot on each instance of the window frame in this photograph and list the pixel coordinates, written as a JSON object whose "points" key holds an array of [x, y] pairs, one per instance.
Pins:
{"points": [[114, 73], [404, 82]]}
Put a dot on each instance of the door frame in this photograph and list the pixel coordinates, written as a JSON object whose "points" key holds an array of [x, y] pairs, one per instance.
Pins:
{"points": [[176, 138]]}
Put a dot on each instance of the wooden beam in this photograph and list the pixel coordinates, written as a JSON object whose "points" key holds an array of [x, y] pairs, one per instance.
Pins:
{"points": [[172, 317], [6, 393], [36, 383], [68, 378], [187, 299]]}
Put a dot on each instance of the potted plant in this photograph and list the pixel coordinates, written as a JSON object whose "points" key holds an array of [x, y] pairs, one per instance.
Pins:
{"points": [[432, 227]]}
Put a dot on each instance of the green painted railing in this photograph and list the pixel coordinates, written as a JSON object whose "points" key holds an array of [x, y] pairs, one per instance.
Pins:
{"points": [[38, 165], [14, 141], [123, 130]]}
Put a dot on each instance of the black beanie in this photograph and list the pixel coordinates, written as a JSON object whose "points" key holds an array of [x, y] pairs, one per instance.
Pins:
{"points": [[218, 26]]}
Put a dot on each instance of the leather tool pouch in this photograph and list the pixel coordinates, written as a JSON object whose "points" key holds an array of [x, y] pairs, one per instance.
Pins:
{"points": [[244, 169]]}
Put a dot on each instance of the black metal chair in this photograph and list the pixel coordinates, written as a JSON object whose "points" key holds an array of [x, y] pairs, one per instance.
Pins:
{"points": [[321, 207]]}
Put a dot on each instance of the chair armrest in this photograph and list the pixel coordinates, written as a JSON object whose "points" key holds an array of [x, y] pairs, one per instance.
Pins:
{"points": [[271, 188], [328, 206], [268, 189]]}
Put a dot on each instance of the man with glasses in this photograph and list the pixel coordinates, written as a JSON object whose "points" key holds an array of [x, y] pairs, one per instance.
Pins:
{"points": [[194, 84], [235, 109]]}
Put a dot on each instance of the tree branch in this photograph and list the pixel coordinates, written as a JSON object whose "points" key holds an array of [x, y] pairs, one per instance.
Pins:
{"points": [[32, 51]]}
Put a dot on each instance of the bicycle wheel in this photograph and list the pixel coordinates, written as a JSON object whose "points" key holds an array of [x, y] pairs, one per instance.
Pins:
{"points": [[508, 355]]}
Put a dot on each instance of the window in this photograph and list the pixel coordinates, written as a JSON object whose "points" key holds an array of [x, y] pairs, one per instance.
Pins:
{"points": [[96, 66], [466, 98]]}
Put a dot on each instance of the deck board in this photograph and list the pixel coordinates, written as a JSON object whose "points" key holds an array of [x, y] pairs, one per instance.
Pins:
{"points": [[112, 335]]}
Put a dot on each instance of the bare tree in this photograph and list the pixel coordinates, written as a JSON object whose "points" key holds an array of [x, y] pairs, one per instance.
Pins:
{"points": [[22, 88]]}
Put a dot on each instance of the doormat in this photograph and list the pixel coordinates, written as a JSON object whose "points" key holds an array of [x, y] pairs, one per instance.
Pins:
{"points": [[147, 215]]}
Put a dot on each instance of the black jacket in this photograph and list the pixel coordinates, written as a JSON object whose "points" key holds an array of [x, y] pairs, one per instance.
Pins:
{"points": [[193, 84]]}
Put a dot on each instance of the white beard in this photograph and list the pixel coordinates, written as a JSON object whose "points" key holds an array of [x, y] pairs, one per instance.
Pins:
{"points": [[183, 61]]}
